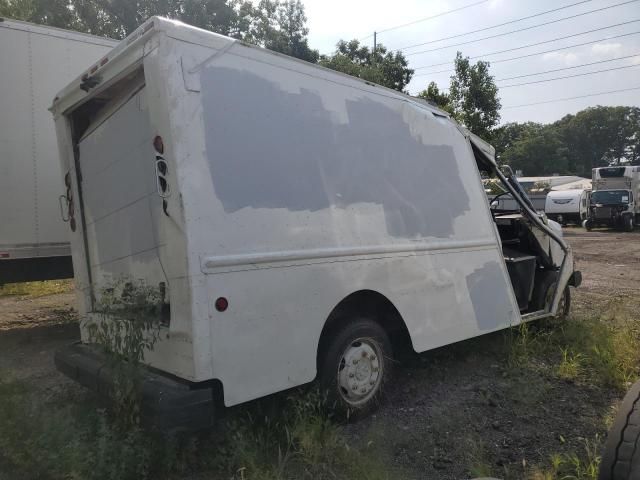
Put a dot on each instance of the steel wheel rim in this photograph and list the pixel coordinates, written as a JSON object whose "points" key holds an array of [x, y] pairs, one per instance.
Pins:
{"points": [[360, 371]]}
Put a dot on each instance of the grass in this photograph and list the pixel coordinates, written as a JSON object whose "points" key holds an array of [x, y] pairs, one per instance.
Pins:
{"points": [[72, 438], [582, 465], [37, 289], [599, 349]]}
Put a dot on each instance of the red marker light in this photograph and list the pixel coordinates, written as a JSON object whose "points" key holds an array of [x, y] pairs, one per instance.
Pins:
{"points": [[222, 304], [104, 61], [158, 144]]}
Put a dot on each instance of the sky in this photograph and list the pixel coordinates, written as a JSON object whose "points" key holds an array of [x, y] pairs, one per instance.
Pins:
{"points": [[332, 20]]}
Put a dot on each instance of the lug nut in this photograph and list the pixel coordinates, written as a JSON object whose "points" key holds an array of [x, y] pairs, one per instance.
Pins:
{"points": [[351, 375], [355, 362]]}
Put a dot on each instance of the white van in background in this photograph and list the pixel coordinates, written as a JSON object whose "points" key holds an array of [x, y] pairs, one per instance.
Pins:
{"points": [[35, 62]]}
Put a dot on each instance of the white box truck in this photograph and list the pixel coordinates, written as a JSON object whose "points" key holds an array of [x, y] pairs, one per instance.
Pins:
{"points": [[298, 223], [35, 63], [614, 199]]}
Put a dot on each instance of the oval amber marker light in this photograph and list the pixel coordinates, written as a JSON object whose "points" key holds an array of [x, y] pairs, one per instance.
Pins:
{"points": [[158, 144], [222, 304]]}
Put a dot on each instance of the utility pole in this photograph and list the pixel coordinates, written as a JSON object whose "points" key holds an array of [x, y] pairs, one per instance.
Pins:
{"points": [[374, 46]]}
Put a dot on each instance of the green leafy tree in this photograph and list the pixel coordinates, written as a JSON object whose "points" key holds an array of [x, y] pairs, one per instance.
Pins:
{"points": [[599, 136], [279, 25], [383, 67], [434, 95], [474, 96], [541, 151]]}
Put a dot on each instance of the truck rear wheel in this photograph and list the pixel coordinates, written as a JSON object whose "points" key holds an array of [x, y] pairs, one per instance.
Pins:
{"points": [[543, 294], [354, 368]]}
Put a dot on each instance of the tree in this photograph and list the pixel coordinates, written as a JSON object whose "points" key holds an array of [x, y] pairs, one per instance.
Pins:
{"points": [[473, 95], [600, 136], [540, 152], [472, 98], [383, 67], [435, 96], [279, 25], [596, 136]]}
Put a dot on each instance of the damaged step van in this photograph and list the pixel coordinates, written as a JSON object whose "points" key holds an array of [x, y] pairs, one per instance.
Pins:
{"points": [[296, 224]]}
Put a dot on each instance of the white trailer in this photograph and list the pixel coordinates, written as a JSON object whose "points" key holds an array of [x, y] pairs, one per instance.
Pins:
{"points": [[567, 206], [296, 223], [615, 198], [35, 63]]}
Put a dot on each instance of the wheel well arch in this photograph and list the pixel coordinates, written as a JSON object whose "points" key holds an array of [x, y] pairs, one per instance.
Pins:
{"points": [[370, 304]]}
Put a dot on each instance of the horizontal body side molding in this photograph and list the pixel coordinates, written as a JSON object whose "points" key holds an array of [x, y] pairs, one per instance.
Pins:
{"points": [[211, 262]]}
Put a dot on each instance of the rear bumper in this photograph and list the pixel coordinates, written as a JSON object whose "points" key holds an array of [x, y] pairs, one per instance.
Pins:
{"points": [[166, 403]]}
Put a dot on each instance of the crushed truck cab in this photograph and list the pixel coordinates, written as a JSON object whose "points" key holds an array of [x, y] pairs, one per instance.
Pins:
{"points": [[299, 224]]}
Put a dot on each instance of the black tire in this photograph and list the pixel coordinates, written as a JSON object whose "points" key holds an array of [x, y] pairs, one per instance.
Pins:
{"points": [[544, 288], [627, 223], [588, 225], [358, 354], [621, 456]]}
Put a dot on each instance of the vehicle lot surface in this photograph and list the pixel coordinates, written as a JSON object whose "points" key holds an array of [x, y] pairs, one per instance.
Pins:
{"points": [[532, 402]]}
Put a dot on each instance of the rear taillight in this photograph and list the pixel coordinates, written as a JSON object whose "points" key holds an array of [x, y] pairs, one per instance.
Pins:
{"points": [[158, 144]]}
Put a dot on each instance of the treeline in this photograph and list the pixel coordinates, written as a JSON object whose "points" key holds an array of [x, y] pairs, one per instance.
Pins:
{"points": [[595, 137], [279, 25]]}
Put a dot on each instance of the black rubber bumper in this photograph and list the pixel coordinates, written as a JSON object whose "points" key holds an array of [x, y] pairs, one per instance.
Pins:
{"points": [[166, 403]]}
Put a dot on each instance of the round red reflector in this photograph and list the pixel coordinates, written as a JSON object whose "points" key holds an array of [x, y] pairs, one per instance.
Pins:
{"points": [[222, 304], [158, 144]]}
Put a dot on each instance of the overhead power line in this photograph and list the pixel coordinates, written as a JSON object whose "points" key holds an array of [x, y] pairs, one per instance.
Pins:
{"points": [[450, 70], [572, 98], [432, 16], [494, 26], [567, 68], [542, 43], [526, 28], [568, 76]]}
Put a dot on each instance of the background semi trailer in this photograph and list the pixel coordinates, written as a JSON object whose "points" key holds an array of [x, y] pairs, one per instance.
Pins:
{"points": [[35, 63]]}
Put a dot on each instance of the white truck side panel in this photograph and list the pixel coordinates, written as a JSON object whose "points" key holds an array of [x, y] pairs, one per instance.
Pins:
{"points": [[299, 191], [35, 62]]}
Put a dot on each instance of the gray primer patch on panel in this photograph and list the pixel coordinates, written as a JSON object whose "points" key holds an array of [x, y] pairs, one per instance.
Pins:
{"points": [[300, 158], [489, 296]]}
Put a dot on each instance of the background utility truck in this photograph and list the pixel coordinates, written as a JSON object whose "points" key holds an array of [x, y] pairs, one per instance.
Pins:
{"points": [[35, 62], [279, 210], [615, 198]]}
